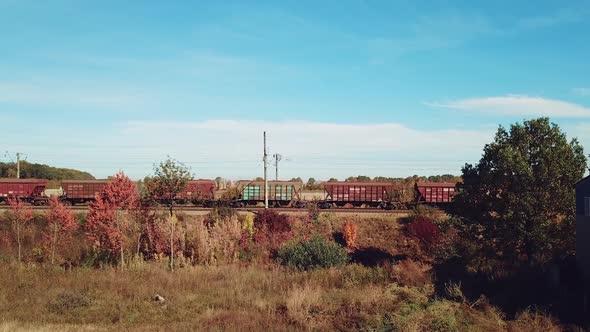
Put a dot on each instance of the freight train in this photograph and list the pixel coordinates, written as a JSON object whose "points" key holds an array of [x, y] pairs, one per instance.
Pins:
{"points": [[383, 195]]}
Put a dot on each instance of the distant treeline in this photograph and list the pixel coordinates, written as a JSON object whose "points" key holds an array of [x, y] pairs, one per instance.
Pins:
{"points": [[41, 171], [313, 184]]}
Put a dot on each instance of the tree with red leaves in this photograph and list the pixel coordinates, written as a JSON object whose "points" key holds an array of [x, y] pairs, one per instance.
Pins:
{"points": [[19, 215], [60, 220], [101, 226], [121, 194]]}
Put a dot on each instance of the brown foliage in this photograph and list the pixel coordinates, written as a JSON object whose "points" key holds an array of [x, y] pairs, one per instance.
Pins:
{"points": [[412, 273], [349, 231]]}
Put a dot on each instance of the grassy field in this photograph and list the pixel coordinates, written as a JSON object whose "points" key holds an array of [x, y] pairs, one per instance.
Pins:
{"points": [[237, 298], [389, 285]]}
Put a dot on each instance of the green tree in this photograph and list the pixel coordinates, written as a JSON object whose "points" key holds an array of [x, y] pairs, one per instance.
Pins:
{"points": [[519, 199], [170, 178]]}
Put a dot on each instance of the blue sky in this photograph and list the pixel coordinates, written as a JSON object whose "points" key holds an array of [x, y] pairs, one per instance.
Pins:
{"points": [[342, 87]]}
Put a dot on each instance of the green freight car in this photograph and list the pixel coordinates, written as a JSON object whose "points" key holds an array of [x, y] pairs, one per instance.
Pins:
{"points": [[280, 193]]}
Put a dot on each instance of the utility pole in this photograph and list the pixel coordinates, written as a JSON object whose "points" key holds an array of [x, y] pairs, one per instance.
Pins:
{"points": [[18, 165], [278, 158], [265, 174]]}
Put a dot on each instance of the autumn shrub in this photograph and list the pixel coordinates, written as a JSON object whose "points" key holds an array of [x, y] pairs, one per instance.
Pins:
{"points": [[272, 229], [448, 246], [247, 222], [219, 213], [427, 212], [302, 303], [198, 246], [350, 231], [354, 275], [68, 301], [529, 321], [313, 211], [154, 241], [225, 238], [314, 253], [425, 230], [412, 273]]}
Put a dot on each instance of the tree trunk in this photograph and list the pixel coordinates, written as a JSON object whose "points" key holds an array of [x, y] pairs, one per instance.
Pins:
{"points": [[118, 221], [138, 243], [171, 246], [54, 244], [18, 238]]}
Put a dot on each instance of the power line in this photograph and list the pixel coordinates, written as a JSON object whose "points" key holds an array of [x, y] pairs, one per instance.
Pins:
{"points": [[265, 158], [277, 158]]}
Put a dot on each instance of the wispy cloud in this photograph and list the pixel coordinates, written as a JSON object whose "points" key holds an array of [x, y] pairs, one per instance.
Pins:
{"points": [[517, 105], [60, 93], [430, 33], [233, 148], [313, 148], [559, 17], [581, 91]]}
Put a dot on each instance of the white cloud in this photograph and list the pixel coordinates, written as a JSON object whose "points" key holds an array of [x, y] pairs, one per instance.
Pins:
{"points": [[581, 91], [60, 93], [517, 105], [234, 147]]}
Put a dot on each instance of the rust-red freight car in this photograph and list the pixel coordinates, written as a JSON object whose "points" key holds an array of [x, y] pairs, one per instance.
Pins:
{"points": [[81, 191], [435, 193], [199, 192], [375, 194], [29, 190]]}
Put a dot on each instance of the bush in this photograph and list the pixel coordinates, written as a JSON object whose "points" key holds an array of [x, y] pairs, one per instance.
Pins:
{"points": [[349, 231], [272, 229], [219, 213], [412, 273], [313, 253], [427, 212], [68, 301], [425, 230], [272, 222]]}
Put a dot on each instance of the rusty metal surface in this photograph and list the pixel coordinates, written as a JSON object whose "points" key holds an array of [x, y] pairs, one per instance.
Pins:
{"points": [[198, 189], [22, 188], [358, 191], [82, 189], [435, 192]]}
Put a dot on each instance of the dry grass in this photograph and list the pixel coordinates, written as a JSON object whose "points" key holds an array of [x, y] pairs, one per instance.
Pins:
{"points": [[232, 298], [412, 273], [215, 291]]}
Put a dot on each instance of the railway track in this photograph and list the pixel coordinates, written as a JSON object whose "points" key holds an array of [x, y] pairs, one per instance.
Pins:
{"points": [[247, 209]]}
